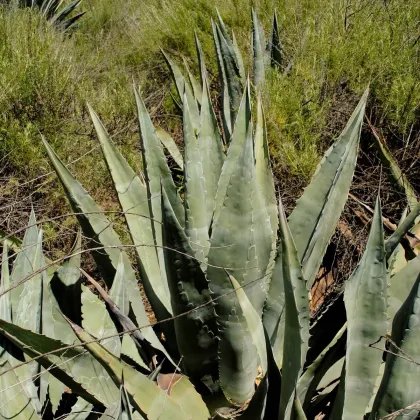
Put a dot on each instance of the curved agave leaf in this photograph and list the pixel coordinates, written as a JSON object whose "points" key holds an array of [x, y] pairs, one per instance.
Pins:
{"points": [[195, 330], [230, 66], [124, 323], [393, 241], [233, 46], [264, 404], [258, 45], [296, 332], [253, 322], [309, 381], [239, 59], [81, 410], [144, 394], [325, 326], [400, 386], [170, 146], [133, 198], [22, 266], [243, 126], [265, 177], [274, 47], [226, 109], [5, 307], [98, 229], [316, 214], [98, 323], [157, 174], [72, 366], [201, 60], [397, 260], [365, 298], [211, 150], [248, 252], [196, 219], [182, 88], [14, 402], [65, 283], [397, 175], [401, 285]]}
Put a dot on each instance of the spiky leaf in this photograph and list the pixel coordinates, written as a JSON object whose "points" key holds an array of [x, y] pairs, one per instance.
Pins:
{"points": [[365, 298], [316, 214]]}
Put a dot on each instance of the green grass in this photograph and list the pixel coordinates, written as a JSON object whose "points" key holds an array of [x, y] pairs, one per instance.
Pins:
{"points": [[46, 79]]}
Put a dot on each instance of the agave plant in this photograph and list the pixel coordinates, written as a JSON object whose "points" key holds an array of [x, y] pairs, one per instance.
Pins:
{"points": [[60, 15], [233, 336]]}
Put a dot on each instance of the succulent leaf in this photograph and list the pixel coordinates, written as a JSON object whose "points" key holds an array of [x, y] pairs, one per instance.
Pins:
{"points": [[253, 322], [296, 332], [316, 214], [195, 330], [274, 47], [365, 298], [72, 366], [401, 284], [144, 394], [22, 266], [170, 146], [243, 126], [210, 149], [400, 386], [258, 45], [245, 252], [98, 229], [132, 195], [196, 219]]}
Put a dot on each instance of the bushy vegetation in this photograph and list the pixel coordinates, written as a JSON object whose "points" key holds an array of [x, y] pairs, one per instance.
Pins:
{"points": [[336, 47]]}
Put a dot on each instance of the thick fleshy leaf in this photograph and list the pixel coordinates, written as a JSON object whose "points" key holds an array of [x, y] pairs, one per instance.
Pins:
{"points": [[309, 381], [296, 332], [5, 307], [133, 198], [72, 366], [195, 330], [258, 46], [239, 59], [399, 178], [196, 220], [65, 282], [22, 266], [400, 384], [98, 323], [264, 404], [226, 109], [183, 88], [124, 323], [365, 298], [201, 59], [274, 47], [243, 126], [80, 410], [253, 322], [14, 402], [245, 253], [170, 146], [265, 177], [316, 214], [98, 229], [397, 260], [144, 394], [157, 174], [400, 286], [211, 150], [393, 241]]}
